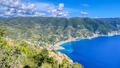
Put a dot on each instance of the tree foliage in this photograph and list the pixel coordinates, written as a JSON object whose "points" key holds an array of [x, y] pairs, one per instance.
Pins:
{"points": [[2, 32], [24, 55]]}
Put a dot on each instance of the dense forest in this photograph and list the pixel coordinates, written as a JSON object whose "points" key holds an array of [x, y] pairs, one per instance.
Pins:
{"points": [[15, 33]]}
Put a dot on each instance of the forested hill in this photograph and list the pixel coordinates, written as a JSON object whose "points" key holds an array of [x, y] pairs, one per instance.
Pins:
{"points": [[114, 21], [49, 30]]}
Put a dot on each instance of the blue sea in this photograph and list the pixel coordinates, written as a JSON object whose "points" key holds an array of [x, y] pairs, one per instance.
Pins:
{"points": [[99, 52]]}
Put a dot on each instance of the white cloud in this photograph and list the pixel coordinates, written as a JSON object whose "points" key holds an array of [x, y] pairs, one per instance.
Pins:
{"points": [[61, 6], [84, 13], [59, 11], [96, 17], [14, 8]]}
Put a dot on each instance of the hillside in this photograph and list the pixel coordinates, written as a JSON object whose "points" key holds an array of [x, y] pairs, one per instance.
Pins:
{"points": [[27, 39], [49, 30], [113, 21], [20, 54]]}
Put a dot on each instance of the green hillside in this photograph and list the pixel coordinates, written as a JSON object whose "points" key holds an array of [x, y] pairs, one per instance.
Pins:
{"points": [[24, 55], [113, 21], [49, 30], [16, 52]]}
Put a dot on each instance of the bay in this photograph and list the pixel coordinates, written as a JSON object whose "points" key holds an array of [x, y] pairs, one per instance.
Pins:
{"points": [[99, 52]]}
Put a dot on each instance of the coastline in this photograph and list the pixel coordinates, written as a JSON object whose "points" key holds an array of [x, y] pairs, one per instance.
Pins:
{"points": [[57, 45]]}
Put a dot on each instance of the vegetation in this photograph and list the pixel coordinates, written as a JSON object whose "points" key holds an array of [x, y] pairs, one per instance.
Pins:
{"points": [[49, 30], [113, 21], [36, 32], [2, 32], [24, 55]]}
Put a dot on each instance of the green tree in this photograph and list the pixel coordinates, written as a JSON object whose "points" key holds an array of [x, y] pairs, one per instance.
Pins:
{"points": [[2, 32], [77, 65]]}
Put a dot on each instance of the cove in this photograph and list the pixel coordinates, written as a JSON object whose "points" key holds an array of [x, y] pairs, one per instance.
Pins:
{"points": [[99, 52]]}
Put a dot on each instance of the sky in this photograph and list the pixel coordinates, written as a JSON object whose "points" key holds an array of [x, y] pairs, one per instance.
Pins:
{"points": [[60, 8]]}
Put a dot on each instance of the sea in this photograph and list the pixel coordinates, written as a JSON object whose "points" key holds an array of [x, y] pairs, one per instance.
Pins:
{"points": [[98, 52]]}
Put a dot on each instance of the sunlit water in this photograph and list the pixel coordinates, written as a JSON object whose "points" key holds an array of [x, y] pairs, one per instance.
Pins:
{"points": [[99, 52]]}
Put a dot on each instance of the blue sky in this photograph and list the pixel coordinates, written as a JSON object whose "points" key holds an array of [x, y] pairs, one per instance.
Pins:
{"points": [[95, 8], [62, 8]]}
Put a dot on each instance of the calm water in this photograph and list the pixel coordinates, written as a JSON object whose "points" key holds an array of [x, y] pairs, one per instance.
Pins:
{"points": [[100, 52]]}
